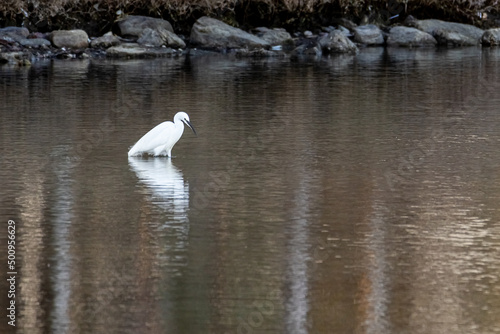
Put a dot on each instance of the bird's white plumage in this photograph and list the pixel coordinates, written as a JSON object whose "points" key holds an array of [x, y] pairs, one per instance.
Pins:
{"points": [[160, 139]]}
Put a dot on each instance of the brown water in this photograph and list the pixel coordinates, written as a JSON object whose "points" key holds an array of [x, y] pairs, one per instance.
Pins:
{"points": [[346, 195]]}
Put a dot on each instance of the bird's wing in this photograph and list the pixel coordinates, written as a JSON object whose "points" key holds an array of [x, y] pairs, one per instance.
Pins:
{"points": [[159, 135]]}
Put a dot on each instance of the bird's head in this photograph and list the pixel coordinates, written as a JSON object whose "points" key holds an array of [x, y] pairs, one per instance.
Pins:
{"points": [[184, 118]]}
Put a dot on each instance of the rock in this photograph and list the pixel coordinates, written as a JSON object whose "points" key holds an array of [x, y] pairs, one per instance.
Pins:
{"points": [[105, 41], [16, 33], [449, 32], [406, 36], [34, 42], [172, 40], [276, 36], [134, 50], [337, 42], [15, 58], [491, 37], [308, 48], [72, 39], [369, 35], [210, 33], [157, 38], [258, 53], [346, 23], [447, 37], [134, 25], [150, 37]]}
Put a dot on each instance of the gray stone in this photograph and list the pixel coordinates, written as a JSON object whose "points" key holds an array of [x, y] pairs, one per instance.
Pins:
{"points": [[277, 36], [408, 37], [160, 37], [150, 37], [172, 40], [210, 33], [34, 42], [15, 58], [72, 39], [337, 42], [307, 50], [449, 32], [105, 41], [491, 37], [368, 34], [134, 50], [134, 25], [453, 38], [16, 33]]}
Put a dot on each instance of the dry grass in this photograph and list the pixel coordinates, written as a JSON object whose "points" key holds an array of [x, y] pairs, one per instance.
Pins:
{"points": [[50, 14]]}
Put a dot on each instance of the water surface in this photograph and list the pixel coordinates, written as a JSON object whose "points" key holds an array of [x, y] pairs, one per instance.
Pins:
{"points": [[354, 194]]}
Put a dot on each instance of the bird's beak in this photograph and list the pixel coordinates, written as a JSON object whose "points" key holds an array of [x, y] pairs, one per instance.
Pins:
{"points": [[188, 123]]}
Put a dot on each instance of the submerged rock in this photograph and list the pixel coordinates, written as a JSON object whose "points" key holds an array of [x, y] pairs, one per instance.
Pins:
{"points": [[368, 34], [337, 42], [406, 36], [134, 25], [72, 39], [448, 32], [210, 33], [491, 37], [105, 41]]}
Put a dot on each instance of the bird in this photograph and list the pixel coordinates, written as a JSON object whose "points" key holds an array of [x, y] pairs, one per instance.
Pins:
{"points": [[160, 139]]}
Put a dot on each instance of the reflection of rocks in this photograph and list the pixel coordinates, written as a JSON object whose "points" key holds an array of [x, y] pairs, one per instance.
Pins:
{"points": [[337, 42], [448, 32], [210, 33], [72, 39], [405, 36], [368, 34]]}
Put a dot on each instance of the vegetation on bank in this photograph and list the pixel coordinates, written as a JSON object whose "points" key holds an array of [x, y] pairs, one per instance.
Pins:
{"points": [[97, 16]]}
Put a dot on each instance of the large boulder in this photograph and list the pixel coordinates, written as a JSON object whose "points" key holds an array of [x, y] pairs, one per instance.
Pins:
{"points": [[491, 37], [337, 42], [72, 39], [449, 32], [276, 36], [134, 25], [368, 34], [210, 33], [409, 37]]}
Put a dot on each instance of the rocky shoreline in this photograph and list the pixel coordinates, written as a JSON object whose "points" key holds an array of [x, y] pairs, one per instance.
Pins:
{"points": [[147, 37]]}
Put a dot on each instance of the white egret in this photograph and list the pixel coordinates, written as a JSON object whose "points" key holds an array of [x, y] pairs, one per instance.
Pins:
{"points": [[160, 139]]}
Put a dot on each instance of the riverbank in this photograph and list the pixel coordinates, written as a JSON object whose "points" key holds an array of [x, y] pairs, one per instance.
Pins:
{"points": [[340, 27]]}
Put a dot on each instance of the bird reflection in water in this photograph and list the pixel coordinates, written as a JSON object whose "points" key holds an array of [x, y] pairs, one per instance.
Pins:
{"points": [[166, 189]]}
